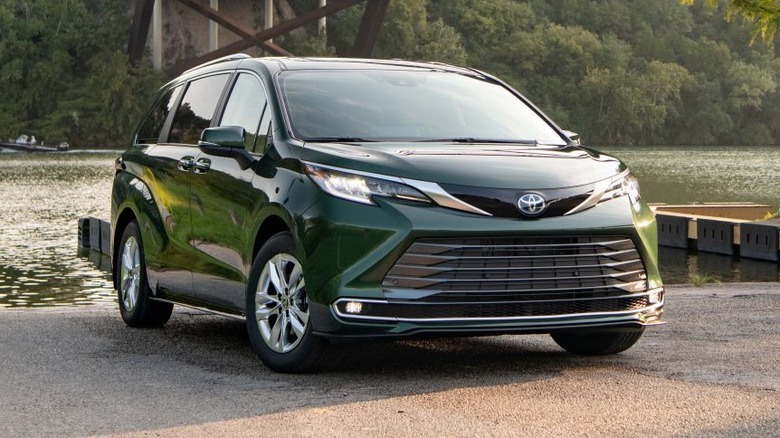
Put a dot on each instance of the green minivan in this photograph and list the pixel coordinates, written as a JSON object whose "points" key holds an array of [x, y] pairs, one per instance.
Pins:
{"points": [[335, 200]]}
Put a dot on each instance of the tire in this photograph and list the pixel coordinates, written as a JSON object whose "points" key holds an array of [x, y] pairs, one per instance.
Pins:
{"points": [[277, 311], [597, 344], [135, 305]]}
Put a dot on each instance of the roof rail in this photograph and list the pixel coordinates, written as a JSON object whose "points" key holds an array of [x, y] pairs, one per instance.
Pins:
{"points": [[233, 57]]}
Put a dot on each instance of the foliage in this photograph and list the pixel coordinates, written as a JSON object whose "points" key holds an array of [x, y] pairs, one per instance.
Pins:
{"points": [[64, 73], [407, 33], [764, 14], [700, 279], [617, 72], [771, 215]]}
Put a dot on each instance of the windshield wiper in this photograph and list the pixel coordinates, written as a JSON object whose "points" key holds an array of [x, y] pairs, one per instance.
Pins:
{"points": [[338, 139], [472, 140]]}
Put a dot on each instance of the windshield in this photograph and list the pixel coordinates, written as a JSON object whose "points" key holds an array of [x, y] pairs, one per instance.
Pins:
{"points": [[403, 105]]}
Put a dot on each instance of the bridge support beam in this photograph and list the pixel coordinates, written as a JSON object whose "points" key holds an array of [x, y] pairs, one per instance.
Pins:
{"points": [[142, 17], [149, 12], [369, 28]]}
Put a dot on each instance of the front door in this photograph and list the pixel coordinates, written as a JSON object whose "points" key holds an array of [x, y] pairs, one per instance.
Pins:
{"points": [[222, 197]]}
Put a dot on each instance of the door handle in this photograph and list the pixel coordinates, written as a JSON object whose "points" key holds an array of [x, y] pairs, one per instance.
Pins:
{"points": [[202, 165], [186, 163]]}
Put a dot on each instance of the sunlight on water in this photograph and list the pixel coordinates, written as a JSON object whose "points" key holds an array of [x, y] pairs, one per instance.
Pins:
{"points": [[43, 195], [683, 175], [705, 174]]}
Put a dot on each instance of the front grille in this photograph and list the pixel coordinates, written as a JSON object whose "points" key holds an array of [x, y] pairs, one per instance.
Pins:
{"points": [[503, 202], [515, 276]]}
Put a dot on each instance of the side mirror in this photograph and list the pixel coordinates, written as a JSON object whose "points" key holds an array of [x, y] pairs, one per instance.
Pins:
{"points": [[226, 141], [572, 136], [224, 136]]}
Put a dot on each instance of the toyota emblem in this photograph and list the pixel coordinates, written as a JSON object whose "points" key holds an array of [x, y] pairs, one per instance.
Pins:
{"points": [[531, 204]]}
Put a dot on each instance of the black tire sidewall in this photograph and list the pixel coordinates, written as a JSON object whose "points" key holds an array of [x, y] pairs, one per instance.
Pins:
{"points": [[599, 343], [146, 312]]}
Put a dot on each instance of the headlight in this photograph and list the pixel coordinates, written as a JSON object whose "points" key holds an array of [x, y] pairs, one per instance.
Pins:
{"points": [[359, 188], [622, 185]]}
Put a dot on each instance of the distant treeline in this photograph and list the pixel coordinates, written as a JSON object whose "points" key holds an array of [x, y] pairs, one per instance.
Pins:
{"points": [[616, 71]]}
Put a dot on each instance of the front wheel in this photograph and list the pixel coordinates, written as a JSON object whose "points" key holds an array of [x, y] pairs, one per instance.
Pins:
{"points": [[598, 343], [133, 291], [277, 310]]}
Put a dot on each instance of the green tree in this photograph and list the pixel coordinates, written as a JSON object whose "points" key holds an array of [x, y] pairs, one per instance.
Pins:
{"points": [[407, 33], [64, 74], [763, 14], [748, 84], [632, 106]]}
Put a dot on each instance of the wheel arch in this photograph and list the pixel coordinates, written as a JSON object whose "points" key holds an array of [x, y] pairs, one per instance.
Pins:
{"points": [[125, 218], [270, 226]]}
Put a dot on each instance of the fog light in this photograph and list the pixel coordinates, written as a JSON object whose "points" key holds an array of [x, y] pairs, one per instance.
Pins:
{"points": [[654, 297], [353, 307]]}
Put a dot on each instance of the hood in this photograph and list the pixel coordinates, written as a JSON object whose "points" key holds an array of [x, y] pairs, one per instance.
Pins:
{"points": [[506, 166]]}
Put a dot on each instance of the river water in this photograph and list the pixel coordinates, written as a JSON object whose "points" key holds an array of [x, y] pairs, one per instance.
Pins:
{"points": [[43, 195]]}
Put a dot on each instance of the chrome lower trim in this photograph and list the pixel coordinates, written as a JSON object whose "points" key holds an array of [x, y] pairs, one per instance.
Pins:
{"points": [[202, 309], [530, 319]]}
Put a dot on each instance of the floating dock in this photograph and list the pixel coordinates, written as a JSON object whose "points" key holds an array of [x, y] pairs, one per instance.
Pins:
{"points": [[95, 234], [724, 228]]}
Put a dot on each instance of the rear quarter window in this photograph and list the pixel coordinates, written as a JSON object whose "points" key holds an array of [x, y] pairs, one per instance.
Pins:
{"points": [[149, 132]]}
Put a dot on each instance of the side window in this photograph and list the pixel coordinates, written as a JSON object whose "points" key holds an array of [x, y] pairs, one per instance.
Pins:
{"points": [[245, 108], [149, 132], [196, 109]]}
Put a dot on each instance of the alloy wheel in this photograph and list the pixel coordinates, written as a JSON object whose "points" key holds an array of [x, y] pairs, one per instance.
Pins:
{"points": [[282, 310], [130, 274]]}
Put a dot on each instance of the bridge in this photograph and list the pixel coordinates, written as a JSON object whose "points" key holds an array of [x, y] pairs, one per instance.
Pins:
{"points": [[155, 14]]}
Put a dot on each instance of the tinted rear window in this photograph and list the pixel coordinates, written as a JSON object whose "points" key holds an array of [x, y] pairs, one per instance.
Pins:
{"points": [[150, 129]]}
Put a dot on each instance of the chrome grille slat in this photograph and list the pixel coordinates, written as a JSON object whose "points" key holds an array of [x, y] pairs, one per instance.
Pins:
{"points": [[544, 246], [512, 280], [441, 257], [560, 289], [439, 268], [527, 274]]}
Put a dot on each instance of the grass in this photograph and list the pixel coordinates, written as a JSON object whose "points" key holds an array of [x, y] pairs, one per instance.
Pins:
{"points": [[698, 279], [770, 215]]}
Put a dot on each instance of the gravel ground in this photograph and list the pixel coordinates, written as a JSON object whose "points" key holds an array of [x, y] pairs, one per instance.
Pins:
{"points": [[712, 371]]}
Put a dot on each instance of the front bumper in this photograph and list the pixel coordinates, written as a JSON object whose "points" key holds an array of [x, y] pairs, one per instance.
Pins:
{"points": [[349, 249], [356, 328]]}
